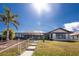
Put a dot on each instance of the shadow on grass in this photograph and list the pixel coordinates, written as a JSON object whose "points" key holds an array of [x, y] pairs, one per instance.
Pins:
{"points": [[71, 41]]}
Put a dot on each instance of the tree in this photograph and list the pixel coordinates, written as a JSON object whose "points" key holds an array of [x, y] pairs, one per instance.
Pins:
{"points": [[11, 34], [8, 17]]}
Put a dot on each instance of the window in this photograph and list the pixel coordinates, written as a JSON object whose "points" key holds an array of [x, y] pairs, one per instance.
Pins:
{"points": [[60, 36]]}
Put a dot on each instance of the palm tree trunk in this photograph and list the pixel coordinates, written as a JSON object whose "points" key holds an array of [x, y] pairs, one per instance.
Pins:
{"points": [[7, 31], [7, 35]]}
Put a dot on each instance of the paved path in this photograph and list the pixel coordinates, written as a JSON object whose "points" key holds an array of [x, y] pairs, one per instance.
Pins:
{"points": [[29, 51]]}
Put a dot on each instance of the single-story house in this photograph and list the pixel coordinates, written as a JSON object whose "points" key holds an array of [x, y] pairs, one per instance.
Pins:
{"points": [[75, 36], [59, 34]]}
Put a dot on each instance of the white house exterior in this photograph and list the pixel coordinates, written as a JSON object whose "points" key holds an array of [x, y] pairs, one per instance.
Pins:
{"points": [[75, 36], [59, 34]]}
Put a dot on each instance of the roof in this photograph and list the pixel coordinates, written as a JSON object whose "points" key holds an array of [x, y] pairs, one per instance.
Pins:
{"points": [[54, 31], [30, 33], [75, 33]]}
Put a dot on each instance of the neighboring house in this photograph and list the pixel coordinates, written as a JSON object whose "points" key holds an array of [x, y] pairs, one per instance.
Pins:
{"points": [[34, 35], [59, 34], [75, 36], [19, 35], [26, 35]]}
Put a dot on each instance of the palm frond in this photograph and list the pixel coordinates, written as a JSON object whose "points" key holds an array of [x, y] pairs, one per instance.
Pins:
{"points": [[6, 9], [7, 12], [16, 26], [3, 18], [14, 21], [14, 16]]}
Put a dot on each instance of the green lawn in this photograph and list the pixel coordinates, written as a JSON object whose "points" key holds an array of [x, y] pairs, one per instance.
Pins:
{"points": [[57, 48]]}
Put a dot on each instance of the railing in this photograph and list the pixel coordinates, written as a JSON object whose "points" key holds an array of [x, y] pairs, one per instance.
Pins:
{"points": [[15, 49]]}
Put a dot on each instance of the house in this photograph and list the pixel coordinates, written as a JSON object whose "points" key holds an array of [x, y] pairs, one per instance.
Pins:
{"points": [[59, 34], [75, 36], [26, 35], [19, 35]]}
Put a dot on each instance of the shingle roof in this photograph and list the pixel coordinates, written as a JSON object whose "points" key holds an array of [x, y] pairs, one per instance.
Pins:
{"points": [[61, 29], [75, 33], [31, 33]]}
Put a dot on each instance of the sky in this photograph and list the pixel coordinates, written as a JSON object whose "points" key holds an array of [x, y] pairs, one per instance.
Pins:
{"points": [[50, 17]]}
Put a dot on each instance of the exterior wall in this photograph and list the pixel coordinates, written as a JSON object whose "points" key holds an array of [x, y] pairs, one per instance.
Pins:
{"points": [[75, 37], [49, 36], [67, 37], [54, 36]]}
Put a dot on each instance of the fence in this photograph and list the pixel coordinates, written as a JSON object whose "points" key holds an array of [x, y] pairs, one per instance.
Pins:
{"points": [[15, 49]]}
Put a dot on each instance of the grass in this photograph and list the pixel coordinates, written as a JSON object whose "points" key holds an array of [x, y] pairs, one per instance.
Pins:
{"points": [[11, 52], [57, 48]]}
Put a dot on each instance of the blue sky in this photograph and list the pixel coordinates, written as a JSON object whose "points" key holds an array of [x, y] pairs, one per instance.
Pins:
{"points": [[60, 15]]}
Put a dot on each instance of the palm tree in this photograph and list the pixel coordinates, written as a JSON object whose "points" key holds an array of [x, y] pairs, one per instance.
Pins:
{"points": [[8, 17]]}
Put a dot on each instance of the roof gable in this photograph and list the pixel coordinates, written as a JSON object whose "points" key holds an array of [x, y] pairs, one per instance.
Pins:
{"points": [[60, 30]]}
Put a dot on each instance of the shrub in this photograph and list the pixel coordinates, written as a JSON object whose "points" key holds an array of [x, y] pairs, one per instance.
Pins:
{"points": [[11, 34]]}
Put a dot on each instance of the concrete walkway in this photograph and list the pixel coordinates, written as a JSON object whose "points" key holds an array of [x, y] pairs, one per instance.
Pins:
{"points": [[29, 51]]}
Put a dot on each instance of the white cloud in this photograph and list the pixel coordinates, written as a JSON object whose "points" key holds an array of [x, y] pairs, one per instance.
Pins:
{"points": [[72, 26]]}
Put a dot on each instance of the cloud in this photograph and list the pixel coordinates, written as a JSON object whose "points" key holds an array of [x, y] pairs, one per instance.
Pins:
{"points": [[72, 26]]}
